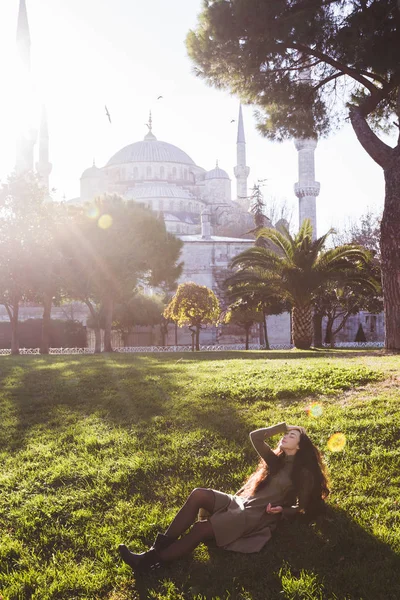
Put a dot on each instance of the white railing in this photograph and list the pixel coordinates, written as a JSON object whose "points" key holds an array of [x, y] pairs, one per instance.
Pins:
{"points": [[356, 345], [211, 348]]}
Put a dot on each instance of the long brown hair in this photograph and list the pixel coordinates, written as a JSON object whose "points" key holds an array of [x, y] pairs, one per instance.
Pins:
{"points": [[307, 458]]}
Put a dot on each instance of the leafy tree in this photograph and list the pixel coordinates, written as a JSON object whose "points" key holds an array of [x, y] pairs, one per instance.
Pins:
{"points": [[258, 292], [308, 65], [257, 207], [193, 305], [141, 309], [47, 266], [244, 316], [364, 232], [21, 202], [109, 256], [297, 268], [339, 301]]}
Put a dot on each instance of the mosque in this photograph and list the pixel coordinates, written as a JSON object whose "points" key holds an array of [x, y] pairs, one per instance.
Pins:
{"points": [[199, 206]]}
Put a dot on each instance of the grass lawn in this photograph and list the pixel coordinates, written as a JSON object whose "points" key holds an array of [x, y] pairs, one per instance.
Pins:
{"points": [[99, 450]]}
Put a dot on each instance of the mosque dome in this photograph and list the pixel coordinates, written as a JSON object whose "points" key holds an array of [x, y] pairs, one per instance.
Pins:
{"points": [[216, 173], [150, 150], [92, 171]]}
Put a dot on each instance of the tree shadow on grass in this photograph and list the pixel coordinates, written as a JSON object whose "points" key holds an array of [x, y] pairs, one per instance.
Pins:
{"points": [[347, 563], [294, 354], [51, 393], [55, 393]]}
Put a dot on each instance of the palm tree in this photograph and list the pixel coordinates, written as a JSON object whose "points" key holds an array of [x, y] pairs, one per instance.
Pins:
{"points": [[295, 269]]}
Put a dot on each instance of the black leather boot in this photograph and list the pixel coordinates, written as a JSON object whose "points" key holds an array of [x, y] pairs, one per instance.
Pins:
{"points": [[146, 561], [162, 541]]}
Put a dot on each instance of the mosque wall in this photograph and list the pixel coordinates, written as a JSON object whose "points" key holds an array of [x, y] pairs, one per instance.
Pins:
{"points": [[217, 190]]}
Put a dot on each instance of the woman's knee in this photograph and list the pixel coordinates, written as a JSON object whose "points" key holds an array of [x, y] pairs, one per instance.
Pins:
{"points": [[198, 494], [202, 498], [202, 530]]}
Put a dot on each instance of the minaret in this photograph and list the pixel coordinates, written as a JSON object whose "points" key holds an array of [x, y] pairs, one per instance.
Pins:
{"points": [[241, 170], [23, 38], [43, 165], [307, 189], [27, 136]]}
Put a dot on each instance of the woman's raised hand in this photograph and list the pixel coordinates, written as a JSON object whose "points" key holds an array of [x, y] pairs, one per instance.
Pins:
{"points": [[273, 509]]}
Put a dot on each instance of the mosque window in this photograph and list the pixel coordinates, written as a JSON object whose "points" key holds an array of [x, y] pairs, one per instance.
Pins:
{"points": [[174, 173], [181, 205], [171, 205], [190, 207], [162, 172], [148, 172], [161, 204], [135, 172], [185, 174], [178, 228], [371, 321]]}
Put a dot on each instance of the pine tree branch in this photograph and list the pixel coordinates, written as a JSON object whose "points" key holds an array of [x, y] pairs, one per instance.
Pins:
{"points": [[378, 150], [345, 69]]}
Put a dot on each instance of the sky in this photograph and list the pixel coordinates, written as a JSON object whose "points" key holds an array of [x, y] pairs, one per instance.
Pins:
{"points": [[126, 53]]}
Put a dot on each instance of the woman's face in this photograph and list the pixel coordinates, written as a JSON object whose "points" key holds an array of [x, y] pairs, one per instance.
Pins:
{"points": [[290, 441]]}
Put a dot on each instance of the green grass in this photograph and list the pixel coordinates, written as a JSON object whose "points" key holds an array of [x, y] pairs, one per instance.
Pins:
{"points": [[99, 450]]}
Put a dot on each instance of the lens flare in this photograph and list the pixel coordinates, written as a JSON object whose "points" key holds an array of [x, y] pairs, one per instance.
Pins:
{"points": [[105, 221], [92, 212], [315, 410], [336, 442]]}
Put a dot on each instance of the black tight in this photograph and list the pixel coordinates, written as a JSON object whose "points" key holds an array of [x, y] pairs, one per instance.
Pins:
{"points": [[201, 531]]}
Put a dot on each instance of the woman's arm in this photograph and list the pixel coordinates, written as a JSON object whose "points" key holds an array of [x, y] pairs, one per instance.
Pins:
{"points": [[258, 436]]}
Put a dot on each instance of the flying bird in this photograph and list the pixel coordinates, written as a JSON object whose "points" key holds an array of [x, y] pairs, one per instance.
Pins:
{"points": [[159, 97], [108, 114], [233, 120]]}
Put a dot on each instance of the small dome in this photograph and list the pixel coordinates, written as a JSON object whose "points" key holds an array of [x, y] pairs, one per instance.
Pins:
{"points": [[93, 171], [217, 173]]}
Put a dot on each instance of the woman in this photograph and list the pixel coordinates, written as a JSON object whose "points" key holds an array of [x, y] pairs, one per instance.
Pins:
{"points": [[288, 480]]}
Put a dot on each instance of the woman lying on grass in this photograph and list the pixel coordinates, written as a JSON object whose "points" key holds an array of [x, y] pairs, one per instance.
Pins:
{"points": [[289, 480]]}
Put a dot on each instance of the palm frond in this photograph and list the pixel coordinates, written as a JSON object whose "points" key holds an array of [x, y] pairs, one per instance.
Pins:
{"points": [[281, 239]]}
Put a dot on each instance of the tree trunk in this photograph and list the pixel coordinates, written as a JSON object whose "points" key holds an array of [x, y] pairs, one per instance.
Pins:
{"points": [[390, 251], [96, 323], [108, 309], [46, 323], [328, 330], [317, 325], [389, 159], [261, 334], [197, 338], [13, 313], [265, 325], [247, 330], [97, 339], [193, 334], [302, 329]]}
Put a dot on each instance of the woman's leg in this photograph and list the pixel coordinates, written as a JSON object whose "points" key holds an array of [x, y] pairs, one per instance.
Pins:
{"points": [[169, 547], [199, 498], [200, 532]]}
